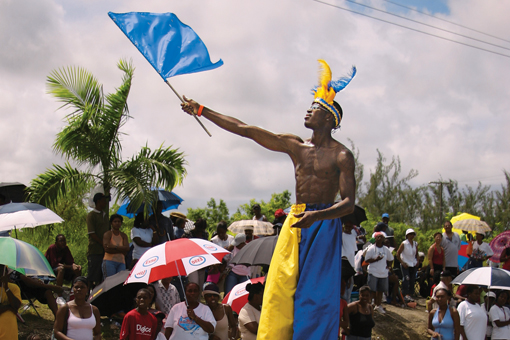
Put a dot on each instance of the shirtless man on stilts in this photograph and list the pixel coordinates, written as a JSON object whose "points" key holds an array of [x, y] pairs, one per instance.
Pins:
{"points": [[302, 294]]}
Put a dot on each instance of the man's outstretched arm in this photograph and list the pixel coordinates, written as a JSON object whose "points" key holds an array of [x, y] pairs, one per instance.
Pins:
{"points": [[347, 188], [269, 140]]}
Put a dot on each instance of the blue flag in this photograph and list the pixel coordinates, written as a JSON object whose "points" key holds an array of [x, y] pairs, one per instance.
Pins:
{"points": [[171, 47]]}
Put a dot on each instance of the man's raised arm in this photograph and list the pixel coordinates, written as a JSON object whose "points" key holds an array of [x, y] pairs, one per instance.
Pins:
{"points": [[269, 140]]}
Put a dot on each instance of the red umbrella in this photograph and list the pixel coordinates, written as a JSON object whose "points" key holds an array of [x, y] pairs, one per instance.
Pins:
{"points": [[498, 244], [238, 296], [176, 258]]}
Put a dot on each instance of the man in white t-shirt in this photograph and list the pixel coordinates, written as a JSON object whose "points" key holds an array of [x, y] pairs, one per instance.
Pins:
{"points": [[349, 249], [473, 319], [379, 259], [223, 239]]}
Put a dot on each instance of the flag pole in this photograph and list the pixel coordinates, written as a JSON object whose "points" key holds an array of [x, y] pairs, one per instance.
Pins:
{"points": [[194, 115]]}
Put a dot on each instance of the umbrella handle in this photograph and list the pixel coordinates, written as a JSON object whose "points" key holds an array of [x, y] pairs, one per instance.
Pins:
{"points": [[180, 279]]}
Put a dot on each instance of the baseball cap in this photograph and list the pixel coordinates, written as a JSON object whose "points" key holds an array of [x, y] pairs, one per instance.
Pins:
{"points": [[279, 213], [98, 196], [385, 215], [211, 288], [240, 238], [491, 294]]}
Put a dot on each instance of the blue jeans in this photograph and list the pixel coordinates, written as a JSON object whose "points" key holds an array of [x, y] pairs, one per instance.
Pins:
{"points": [[111, 268], [232, 280], [408, 279]]}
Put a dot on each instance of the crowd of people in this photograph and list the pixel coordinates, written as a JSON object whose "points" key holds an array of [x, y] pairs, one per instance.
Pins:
{"points": [[175, 308], [379, 267], [383, 272]]}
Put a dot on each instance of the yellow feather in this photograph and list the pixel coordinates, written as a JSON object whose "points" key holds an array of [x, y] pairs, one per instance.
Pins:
{"points": [[324, 74]]}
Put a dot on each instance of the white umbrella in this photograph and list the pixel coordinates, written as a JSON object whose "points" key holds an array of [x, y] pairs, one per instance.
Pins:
{"points": [[26, 215], [493, 278]]}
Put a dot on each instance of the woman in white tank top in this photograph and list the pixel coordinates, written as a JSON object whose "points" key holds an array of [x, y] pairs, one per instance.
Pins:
{"points": [[407, 254], [225, 325], [83, 319]]}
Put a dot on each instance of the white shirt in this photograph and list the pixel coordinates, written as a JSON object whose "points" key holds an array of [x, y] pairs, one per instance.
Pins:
{"points": [[248, 314], [349, 246], [408, 255], [183, 327], [501, 314], [480, 250], [474, 320], [489, 327], [146, 236], [378, 269], [221, 243]]}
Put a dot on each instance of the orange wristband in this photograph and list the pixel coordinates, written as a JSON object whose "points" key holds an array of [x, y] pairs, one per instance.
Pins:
{"points": [[199, 113]]}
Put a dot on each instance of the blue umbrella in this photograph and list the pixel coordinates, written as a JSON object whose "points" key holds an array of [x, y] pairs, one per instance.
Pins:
{"points": [[169, 200]]}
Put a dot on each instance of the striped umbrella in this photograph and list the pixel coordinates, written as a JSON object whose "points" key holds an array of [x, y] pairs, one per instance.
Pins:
{"points": [[238, 296], [24, 257], [472, 224], [176, 258]]}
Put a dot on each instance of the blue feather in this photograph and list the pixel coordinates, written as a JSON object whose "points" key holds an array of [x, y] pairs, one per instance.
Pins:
{"points": [[339, 84]]}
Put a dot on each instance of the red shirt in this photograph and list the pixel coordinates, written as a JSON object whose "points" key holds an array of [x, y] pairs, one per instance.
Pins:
{"points": [[56, 256], [136, 326]]}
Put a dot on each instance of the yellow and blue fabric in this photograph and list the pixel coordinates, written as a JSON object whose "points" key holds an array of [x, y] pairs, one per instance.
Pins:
{"points": [[302, 289], [327, 89]]}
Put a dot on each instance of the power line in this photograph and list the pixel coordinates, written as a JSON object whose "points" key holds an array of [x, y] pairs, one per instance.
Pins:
{"points": [[413, 29], [450, 22], [428, 25]]}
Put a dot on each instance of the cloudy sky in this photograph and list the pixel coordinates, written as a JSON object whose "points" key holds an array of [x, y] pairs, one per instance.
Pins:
{"points": [[441, 106]]}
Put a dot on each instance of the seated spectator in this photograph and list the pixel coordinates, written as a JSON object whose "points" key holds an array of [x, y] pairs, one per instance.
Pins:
{"points": [[179, 228], [222, 238], [142, 236], [33, 288], [361, 316], [62, 261], [10, 300], [116, 245], [167, 295]]}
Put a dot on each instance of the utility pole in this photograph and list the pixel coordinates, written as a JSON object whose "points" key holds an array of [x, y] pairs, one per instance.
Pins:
{"points": [[441, 183]]}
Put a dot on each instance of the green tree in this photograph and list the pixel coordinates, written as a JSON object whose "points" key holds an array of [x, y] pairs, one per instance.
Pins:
{"points": [[277, 201], [92, 140], [213, 214], [388, 192]]}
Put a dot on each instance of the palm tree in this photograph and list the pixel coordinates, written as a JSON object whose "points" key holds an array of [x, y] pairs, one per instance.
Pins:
{"points": [[92, 140]]}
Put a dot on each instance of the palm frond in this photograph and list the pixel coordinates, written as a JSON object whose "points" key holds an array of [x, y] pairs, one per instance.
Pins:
{"points": [[116, 108], [78, 89], [47, 188], [161, 168]]}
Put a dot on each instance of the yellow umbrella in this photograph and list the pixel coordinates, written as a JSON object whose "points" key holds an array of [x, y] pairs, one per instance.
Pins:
{"points": [[463, 216]]}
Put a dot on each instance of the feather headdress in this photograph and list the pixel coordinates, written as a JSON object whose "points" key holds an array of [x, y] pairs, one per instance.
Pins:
{"points": [[326, 91]]}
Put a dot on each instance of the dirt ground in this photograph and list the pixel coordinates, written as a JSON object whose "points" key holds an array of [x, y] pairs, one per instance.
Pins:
{"points": [[397, 323]]}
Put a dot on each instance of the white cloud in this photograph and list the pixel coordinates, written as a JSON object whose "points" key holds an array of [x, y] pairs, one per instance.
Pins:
{"points": [[440, 106]]}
